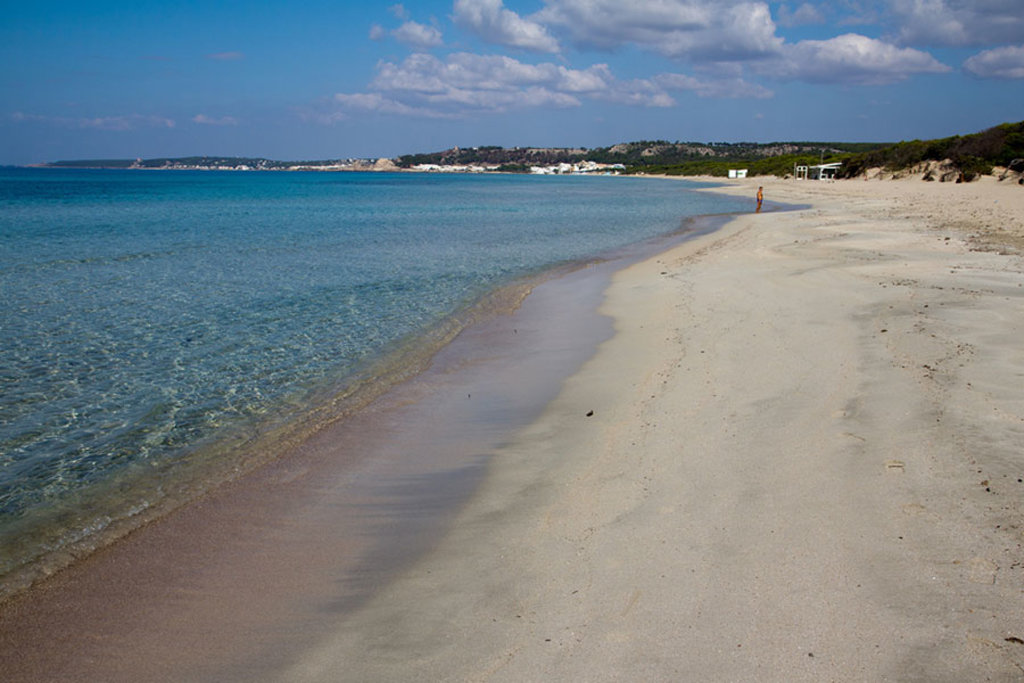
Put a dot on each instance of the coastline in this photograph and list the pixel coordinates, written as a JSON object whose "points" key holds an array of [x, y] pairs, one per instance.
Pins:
{"points": [[329, 520], [207, 426], [773, 469], [802, 464]]}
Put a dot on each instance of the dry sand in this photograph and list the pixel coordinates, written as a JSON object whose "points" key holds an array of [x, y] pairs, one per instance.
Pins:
{"points": [[800, 458]]}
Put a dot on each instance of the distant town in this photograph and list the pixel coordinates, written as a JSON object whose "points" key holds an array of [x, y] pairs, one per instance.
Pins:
{"points": [[584, 167], [632, 157], [957, 158]]}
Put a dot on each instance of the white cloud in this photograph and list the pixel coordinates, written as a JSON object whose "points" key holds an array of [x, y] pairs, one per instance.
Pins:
{"points": [[411, 33], [1002, 62], [113, 123], [130, 122], [696, 30], [727, 42], [464, 84], [720, 88], [376, 102], [226, 56], [802, 15], [417, 35], [959, 22], [463, 72], [851, 59], [493, 22], [341, 106], [210, 121], [865, 12]]}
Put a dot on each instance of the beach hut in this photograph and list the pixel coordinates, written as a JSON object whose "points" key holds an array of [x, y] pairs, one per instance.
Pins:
{"points": [[817, 172]]}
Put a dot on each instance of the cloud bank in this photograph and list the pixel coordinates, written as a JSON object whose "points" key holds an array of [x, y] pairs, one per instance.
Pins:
{"points": [[958, 22], [492, 21], [724, 43], [1003, 62]]}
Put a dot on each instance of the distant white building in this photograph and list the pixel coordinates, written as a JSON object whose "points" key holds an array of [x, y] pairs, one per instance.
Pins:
{"points": [[581, 168], [435, 168], [737, 173], [817, 172]]}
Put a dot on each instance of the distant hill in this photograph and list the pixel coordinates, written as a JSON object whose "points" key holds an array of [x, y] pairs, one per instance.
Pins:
{"points": [[91, 163], [958, 157], [646, 156], [962, 157], [657, 156]]}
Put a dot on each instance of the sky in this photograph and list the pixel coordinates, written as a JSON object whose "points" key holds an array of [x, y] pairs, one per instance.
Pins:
{"points": [[322, 79]]}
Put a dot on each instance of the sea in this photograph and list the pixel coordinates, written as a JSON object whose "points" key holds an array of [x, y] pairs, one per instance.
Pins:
{"points": [[156, 325]]}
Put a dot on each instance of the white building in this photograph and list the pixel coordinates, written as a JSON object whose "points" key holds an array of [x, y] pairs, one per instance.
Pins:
{"points": [[818, 172]]}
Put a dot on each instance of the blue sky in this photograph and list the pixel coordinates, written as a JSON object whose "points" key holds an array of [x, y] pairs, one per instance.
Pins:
{"points": [[318, 79]]}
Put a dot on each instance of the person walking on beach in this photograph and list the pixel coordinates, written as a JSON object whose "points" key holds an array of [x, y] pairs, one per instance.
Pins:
{"points": [[760, 198]]}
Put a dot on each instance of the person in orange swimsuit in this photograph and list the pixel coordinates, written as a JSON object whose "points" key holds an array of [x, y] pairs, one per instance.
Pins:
{"points": [[760, 198]]}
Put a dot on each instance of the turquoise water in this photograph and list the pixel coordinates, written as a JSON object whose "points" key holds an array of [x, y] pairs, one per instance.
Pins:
{"points": [[148, 318]]}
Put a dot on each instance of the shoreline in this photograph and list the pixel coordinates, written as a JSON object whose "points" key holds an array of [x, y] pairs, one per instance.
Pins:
{"points": [[245, 449], [354, 504], [360, 500], [114, 507], [803, 463], [776, 480]]}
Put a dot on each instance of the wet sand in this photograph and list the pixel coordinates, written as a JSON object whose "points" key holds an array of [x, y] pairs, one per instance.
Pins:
{"points": [[239, 583], [796, 454]]}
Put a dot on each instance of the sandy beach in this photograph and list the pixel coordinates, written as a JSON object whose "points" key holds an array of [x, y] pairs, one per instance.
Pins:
{"points": [[799, 457]]}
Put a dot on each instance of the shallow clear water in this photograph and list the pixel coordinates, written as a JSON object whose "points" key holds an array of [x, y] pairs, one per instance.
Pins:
{"points": [[146, 315]]}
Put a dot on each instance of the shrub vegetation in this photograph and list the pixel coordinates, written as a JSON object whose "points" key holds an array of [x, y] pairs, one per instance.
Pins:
{"points": [[972, 155]]}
